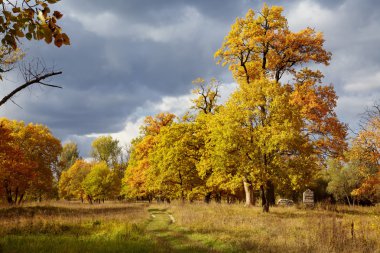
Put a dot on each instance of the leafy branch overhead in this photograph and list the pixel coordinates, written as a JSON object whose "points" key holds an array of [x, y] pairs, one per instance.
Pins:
{"points": [[33, 20]]}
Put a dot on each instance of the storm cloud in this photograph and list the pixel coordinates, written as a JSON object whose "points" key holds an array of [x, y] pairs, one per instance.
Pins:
{"points": [[129, 59]]}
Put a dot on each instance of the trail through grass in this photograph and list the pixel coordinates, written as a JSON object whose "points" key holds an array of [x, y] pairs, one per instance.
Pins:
{"points": [[142, 227], [162, 226]]}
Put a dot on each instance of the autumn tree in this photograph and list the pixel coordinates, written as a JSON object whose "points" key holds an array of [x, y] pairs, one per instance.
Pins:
{"points": [[172, 172], [207, 95], [365, 155], [261, 46], [262, 43], [68, 156], [101, 183], [205, 105], [15, 169], [134, 182], [35, 155], [106, 149], [342, 178], [70, 183], [33, 20], [259, 148]]}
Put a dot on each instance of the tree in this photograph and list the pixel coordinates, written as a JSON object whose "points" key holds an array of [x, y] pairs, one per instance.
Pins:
{"points": [[134, 181], [206, 105], [33, 20], [172, 172], [208, 95], [259, 143], [262, 43], [68, 156], [261, 48], [343, 179], [70, 183], [35, 154], [365, 155], [101, 183], [107, 149], [15, 169]]}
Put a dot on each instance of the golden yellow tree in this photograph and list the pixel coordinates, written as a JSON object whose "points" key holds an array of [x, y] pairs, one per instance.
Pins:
{"points": [[134, 182], [261, 48], [70, 183], [173, 173], [365, 155]]}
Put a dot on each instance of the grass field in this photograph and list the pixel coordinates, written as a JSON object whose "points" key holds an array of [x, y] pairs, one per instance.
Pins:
{"points": [[122, 227]]}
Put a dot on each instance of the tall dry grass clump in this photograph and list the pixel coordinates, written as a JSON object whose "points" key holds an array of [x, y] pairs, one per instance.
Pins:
{"points": [[238, 229]]}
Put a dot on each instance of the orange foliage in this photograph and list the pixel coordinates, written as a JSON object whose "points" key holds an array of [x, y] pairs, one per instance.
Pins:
{"points": [[28, 154], [134, 182]]}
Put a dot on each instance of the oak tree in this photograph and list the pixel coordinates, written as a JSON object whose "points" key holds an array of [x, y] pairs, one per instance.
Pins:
{"points": [[262, 47]]}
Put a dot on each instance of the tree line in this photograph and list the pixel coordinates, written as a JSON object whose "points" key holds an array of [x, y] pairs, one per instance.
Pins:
{"points": [[276, 135]]}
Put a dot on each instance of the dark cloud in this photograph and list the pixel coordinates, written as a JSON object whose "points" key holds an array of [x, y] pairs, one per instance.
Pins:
{"points": [[125, 53]]}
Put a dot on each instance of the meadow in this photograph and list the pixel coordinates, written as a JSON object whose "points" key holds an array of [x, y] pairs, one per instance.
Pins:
{"points": [[64, 226]]}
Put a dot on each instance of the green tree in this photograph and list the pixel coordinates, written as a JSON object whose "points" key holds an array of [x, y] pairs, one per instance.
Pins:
{"points": [[68, 156], [343, 179], [101, 183], [106, 149]]}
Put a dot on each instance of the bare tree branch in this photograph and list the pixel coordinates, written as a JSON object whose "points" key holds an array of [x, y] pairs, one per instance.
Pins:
{"points": [[35, 80]]}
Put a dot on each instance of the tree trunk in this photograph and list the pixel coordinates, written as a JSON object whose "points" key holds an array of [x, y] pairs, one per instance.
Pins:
{"points": [[20, 199], [9, 199], [218, 197], [270, 194], [348, 200], [9, 196], [248, 190], [16, 195], [182, 196], [264, 199], [207, 198], [89, 199]]}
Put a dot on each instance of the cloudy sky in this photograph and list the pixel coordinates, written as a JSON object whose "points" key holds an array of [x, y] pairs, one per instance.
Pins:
{"points": [[134, 58]]}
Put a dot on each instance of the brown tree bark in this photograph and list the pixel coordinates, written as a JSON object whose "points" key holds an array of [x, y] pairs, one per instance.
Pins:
{"points": [[270, 193], [264, 199], [207, 198]]}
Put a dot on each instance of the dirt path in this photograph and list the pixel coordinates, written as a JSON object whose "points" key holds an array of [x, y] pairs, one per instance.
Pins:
{"points": [[162, 225]]}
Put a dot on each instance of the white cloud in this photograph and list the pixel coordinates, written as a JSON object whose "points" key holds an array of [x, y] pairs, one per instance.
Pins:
{"points": [[308, 13], [364, 84], [177, 105]]}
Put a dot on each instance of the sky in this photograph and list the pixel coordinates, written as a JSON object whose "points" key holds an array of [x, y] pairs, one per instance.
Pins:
{"points": [[130, 59]]}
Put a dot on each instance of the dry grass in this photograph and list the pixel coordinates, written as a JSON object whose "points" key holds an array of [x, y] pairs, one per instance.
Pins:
{"points": [[121, 227], [35, 217], [233, 228], [75, 227]]}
